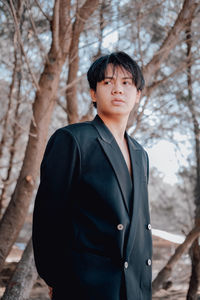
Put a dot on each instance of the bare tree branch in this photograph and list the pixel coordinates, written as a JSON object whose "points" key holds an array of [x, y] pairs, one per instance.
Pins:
{"points": [[35, 30], [164, 274], [83, 14], [184, 16], [45, 15], [21, 44], [55, 27], [169, 43]]}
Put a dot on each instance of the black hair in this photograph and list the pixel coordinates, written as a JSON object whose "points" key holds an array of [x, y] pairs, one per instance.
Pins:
{"points": [[96, 72]]}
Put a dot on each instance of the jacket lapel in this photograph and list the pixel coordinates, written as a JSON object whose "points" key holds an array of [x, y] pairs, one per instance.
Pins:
{"points": [[108, 144], [136, 160], [115, 157]]}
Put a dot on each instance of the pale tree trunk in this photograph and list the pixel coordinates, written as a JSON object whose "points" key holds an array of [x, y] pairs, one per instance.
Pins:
{"points": [[186, 14], [12, 84], [5, 131], [195, 249], [13, 138], [11, 148], [24, 277], [164, 274], [9, 114], [102, 25], [16, 211], [82, 16]]}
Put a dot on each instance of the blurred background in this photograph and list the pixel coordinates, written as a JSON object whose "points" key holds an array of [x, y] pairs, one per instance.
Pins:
{"points": [[46, 48]]}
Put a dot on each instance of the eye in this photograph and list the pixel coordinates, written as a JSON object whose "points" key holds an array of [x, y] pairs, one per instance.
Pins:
{"points": [[127, 82], [107, 82]]}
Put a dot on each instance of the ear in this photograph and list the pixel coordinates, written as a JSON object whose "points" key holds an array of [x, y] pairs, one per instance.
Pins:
{"points": [[138, 94], [93, 95]]}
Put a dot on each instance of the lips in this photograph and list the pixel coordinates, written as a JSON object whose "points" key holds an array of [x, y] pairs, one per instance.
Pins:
{"points": [[118, 102]]}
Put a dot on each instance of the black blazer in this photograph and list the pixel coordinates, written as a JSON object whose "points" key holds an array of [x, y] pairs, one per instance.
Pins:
{"points": [[91, 228]]}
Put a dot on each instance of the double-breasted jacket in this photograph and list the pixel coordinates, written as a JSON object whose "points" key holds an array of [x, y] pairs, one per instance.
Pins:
{"points": [[91, 224]]}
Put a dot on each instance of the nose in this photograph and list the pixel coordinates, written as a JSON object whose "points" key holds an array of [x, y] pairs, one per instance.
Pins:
{"points": [[117, 89]]}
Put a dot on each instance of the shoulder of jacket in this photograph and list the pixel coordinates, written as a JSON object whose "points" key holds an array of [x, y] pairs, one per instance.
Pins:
{"points": [[76, 128], [79, 131]]}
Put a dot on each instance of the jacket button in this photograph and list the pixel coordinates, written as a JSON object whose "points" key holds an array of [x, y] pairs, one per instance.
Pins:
{"points": [[149, 226], [126, 265], [149, 262], [120, 227]]}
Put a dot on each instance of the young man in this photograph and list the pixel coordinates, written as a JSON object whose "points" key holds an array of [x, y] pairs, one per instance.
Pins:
{"points": [[91, 225]]}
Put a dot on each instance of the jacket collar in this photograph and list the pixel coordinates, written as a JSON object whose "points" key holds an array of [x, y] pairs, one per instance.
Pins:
{"points": [[106, 134], [103, 130]]}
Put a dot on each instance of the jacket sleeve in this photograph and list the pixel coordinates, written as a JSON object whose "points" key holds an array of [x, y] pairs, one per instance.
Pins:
{"points": [[60, 169]]}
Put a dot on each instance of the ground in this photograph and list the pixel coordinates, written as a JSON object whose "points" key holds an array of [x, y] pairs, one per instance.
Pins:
{"points": [[163, 249]]}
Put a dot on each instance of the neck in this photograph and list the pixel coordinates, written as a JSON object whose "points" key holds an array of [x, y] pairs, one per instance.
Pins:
{"points": [[117, 125]]}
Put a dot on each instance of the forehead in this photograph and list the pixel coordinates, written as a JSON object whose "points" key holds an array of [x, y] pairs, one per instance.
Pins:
{"points": [[117, 71]]}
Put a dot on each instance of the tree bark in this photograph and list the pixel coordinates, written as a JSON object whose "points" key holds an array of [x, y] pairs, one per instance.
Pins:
{"points": [[82, 16], [16, 211], [24, 277], [164, 274]]}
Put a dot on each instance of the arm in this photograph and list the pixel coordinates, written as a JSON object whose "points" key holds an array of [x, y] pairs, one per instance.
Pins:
{"points": [[60, 170]]}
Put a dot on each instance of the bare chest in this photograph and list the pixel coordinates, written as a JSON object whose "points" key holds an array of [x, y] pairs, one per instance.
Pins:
{"points": [[125, 151]]}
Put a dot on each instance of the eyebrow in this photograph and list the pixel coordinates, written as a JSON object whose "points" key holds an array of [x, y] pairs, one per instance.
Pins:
{"points": [[111, 77]]}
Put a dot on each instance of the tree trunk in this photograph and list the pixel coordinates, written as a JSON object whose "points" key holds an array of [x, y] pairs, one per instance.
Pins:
{"points": [[195, 276], [82, 16], [195, 249], [43, 106], [24, 277], [164, 274], [15, 214], [16, 211]]}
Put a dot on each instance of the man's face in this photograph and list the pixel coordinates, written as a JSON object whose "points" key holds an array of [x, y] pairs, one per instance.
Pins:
{"points": [[116, 94]]}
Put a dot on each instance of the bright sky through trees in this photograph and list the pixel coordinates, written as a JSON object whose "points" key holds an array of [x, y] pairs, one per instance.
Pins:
{"points": [[165, 157]]}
